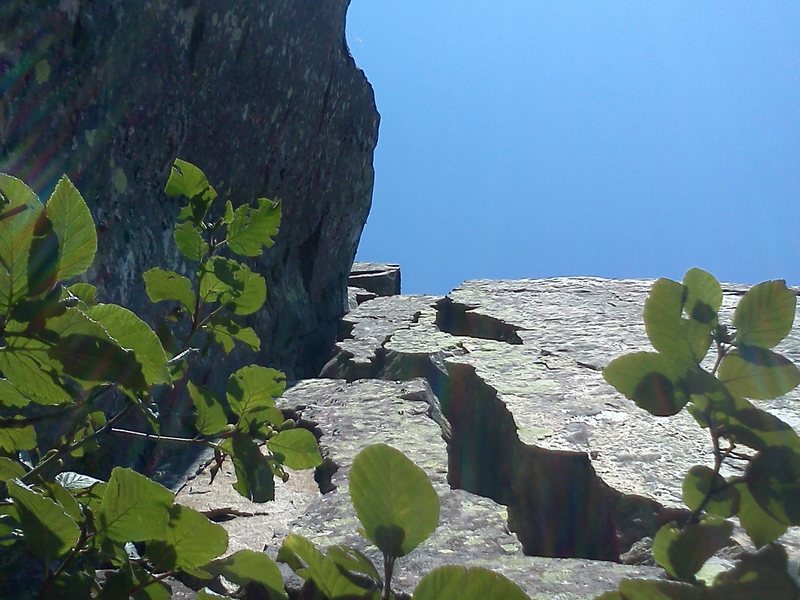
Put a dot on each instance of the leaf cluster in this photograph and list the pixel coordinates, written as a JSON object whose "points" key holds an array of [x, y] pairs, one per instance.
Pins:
{"points": [[74, 370], [760, 453]]}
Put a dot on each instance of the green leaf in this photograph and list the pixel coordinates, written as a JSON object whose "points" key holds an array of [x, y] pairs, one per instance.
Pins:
{"points": [[85, 292], [247, 566], [133, 581], [10, 469], [295, 448], [765, 314], [187, 180], [682, 552], [393, 499], [704, 296], [11, 397], [163, 285], [754, 574], [773, 478], [759, 525], [254, 228], [254, 478], [671, 335], [251, 392], [131, 333], [20, 209], [190, 541], [454, 582], [653, 381], [233, 284], [211, 417], [701, 482], [28, 368], [49, 531], [13, 439], [754, 372], [227, 332], [190, 241], [134, 508], [310, 564], [74, 227], [350, 559]]}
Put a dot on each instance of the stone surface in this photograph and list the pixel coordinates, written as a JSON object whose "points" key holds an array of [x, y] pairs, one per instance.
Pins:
{"points": [[517, 367], [263, 95], [405, 415], [380, 279]]}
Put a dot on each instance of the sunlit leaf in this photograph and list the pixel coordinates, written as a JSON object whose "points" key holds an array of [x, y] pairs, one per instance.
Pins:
{"points": [[189, 542], [190, 241], [754, 372], [653, 381], [20, 209], [393, 498], [134, 508], [49, 531], [185, 179], [254, 228], [227, 332], [74, 227], [211, 417], [454, 582], [701, 483], [10, 469], [773, 478], [254, 477], [759, 525], [704, 296], [295, 448], [765, 314], [163, 285], [233, 284], [247, 566], [682, 552]]}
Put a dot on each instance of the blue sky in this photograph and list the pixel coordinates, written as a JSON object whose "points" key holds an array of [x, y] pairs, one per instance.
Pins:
{"points": [[529, 138]]}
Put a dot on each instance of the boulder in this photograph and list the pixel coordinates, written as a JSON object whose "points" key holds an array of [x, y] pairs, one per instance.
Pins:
{"points": [[263, 95], [378, 279]]}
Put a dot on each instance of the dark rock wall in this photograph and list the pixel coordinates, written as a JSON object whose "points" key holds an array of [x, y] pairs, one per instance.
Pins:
{"points": [[263, 95]]}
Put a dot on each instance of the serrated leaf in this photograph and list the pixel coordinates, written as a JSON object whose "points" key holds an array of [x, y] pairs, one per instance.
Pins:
{"points": [[454, 582], [295, 448], [310, 564], [134, 508], [187, 180], [49, 531], [20, 209], [74, 227], [85, 292], [653, 381], [765, 314], [190, 541], [190, 241], [163, 285], [251, 393], [754, 372], [133, 334], [393, 499], [227, 332], [247, 566], [233, 284], [682, 552], [773, 479], [211, 417], [701, 482], [11, 397], [254, 228], [254, 477]]}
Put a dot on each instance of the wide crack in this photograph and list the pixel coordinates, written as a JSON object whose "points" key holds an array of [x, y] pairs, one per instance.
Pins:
{"points": [[557, 504]]}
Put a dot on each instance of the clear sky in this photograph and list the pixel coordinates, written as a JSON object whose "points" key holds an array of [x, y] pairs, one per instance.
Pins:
{"points": [[534, 138]]}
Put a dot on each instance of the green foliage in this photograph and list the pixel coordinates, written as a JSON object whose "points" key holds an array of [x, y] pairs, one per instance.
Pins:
{"points": [[73, 370], [682, 323], [398, 509]]}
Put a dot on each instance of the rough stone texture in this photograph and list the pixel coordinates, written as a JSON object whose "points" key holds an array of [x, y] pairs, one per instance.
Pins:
{"points": [[263, 95], [380, 279], [406, 415], [517, 367]]}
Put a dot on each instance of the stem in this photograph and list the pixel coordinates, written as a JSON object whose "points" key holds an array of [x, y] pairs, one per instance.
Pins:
{"points": [[158, 438], [718, 459], [388, 569]]}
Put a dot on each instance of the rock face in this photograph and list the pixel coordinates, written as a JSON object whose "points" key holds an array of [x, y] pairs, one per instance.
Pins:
{"points": [[544, 472], [263, 95]]}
